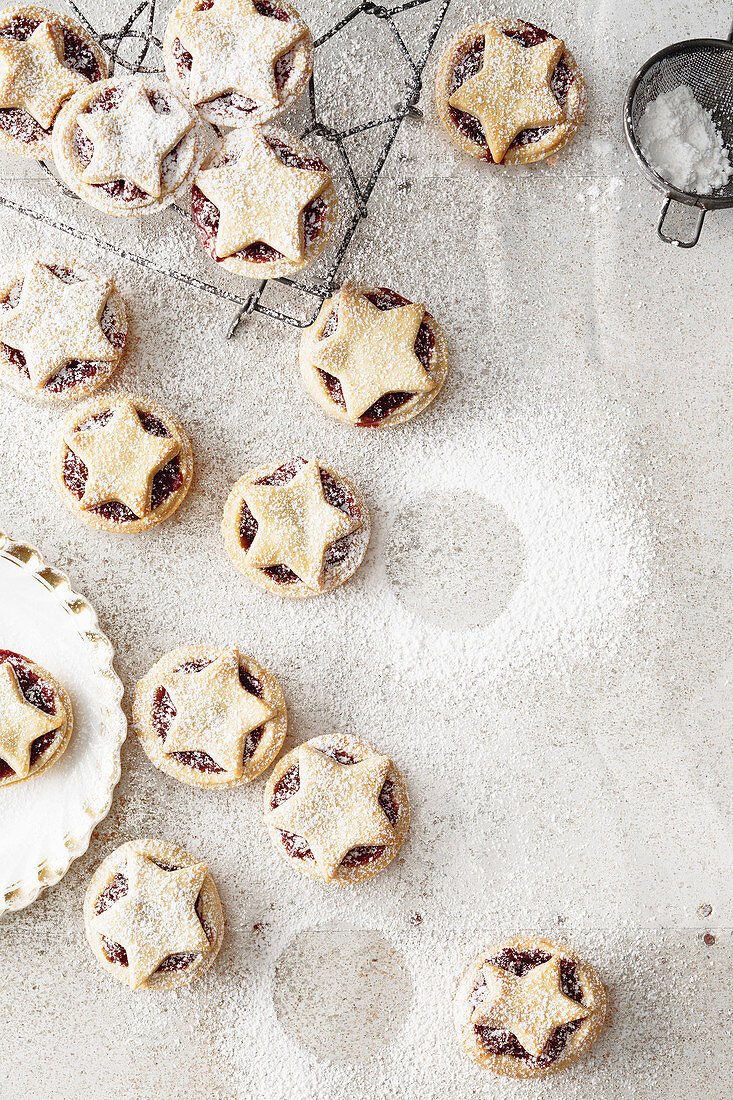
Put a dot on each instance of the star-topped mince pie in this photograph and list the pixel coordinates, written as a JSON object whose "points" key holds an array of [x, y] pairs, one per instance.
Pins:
{"points": [[152, 915], [35, 718], [127, 147], [210, 716], [122, 462], [296, 529], [44, 59], [263, 204], [62, 327], [509, 92], [337, 810], [238, 61], [372, 357], [527, 1007]]}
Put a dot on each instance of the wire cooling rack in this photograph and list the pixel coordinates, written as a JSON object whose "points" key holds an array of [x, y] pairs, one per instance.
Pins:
{"points": [[134, 44]]}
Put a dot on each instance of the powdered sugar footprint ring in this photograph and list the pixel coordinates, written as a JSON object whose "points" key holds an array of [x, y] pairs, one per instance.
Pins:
{"points": [[705, 66]]}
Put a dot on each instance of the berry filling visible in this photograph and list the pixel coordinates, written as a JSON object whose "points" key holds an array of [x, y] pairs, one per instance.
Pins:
{"points": [[38, 694], [470, 63], [499, 1040]]}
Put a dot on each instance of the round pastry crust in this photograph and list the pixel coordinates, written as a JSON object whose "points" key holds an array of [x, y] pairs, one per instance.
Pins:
{"points": [[335, 577], [549, 143], [62, 707], [506, 1065], [251, 269], [310, 343], [9, 372], [71, 168], [267, 748], [41, 149], [359, 750], [217, 113], [172, 856], [76, 416]]}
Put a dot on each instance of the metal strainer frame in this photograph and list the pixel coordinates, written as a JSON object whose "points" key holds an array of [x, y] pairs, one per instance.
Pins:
{"points": [[686, 198]]}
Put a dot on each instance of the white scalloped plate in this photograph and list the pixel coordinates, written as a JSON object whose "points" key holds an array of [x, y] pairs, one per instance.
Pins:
{"points": [[46, 822]]}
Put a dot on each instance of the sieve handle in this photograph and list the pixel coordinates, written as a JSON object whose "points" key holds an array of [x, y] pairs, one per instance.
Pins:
{"points": [[676, 240]]}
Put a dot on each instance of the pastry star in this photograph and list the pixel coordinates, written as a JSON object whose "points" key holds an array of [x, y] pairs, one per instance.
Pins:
{"points": [[259, 198], [296, 525], [511, 92], [234, 49], [336, 807], [121, 459], [56, 322], [214, 712], [20, 722], [156, 917], [33, 77], [531, 1007], [372, 351], [131, 139]]}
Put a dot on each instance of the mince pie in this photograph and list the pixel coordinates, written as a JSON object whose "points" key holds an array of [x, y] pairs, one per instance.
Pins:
{"points": [[35, 718], [152, 915], [509, 92], [62, 327], [263, 204], [527, 1007], [44, 59], [122, 462], [238, 61], [210, 716], [372, 357], [127, 146], [296, 529], [336, 810]]}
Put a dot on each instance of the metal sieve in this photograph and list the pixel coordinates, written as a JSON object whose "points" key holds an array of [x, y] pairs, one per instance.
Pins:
{"points": [[706, 65]]}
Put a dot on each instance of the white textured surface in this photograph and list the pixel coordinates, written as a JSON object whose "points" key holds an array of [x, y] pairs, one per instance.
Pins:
{"points": [[567, 757]]}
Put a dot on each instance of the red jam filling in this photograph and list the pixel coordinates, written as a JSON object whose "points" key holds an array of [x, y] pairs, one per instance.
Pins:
{"points": [[470, 63], [38, 694], [382, 298], [289, 783], [499, 1040]]}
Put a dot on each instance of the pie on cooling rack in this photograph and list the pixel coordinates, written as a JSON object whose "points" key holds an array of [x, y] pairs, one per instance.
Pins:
{"points": [[44, 58], [238, 61], [509, 92], [122, 462], [263, 204], [35, 718], [296, 529], [127, 147], [210, 716], [527, 1007], [337, 810], [372, 357], [62, 327], [152, 915]]}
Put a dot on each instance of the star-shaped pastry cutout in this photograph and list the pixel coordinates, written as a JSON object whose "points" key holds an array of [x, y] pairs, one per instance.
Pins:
{"points": [[372, 351], [33, 78], [531, 1007], [131, 139], [511, 92], [121, 459], [156, 917], [55, 322], [20, 723], [258, 197], [234, 49], [296, 525], [336, 807], [214, 713]]}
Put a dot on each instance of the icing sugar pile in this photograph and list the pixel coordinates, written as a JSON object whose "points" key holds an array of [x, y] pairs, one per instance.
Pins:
{"points": [[683, 144]]}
